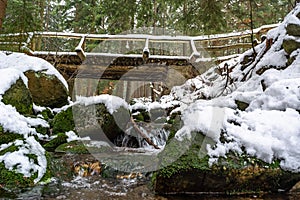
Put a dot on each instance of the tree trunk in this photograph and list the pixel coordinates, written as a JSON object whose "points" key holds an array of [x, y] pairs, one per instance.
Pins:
{"points": [[3, 4]]}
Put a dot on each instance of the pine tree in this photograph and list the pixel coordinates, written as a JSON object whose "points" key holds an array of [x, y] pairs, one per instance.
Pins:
{"points": [[23, 16], [3, 4]]}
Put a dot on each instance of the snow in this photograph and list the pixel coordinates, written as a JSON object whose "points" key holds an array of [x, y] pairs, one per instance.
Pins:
{"points": [[72, 136], [269, 128], [112, 103], [12, 68], [19, 160], [9, 77], [24, 63]]}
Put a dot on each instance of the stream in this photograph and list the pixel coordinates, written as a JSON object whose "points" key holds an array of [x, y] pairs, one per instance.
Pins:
{"points": [[113, 184]]}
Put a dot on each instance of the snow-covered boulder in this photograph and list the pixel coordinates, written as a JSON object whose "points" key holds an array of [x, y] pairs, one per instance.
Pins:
{"points": [[47, 90], [101, 117], [47, 86], [15, 91]]}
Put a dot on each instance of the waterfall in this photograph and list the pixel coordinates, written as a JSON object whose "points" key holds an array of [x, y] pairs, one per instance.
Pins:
{"points": [[157, 134]]}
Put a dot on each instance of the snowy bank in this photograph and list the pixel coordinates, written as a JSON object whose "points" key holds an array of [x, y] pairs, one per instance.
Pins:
{"points": [[256, 107]]}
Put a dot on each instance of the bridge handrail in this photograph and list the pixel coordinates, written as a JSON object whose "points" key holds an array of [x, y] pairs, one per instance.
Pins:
{"points": [[79, 49]]}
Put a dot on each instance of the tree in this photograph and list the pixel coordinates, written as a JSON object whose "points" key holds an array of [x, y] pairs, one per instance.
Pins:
{"points": [[24, 16], [3, 4]]}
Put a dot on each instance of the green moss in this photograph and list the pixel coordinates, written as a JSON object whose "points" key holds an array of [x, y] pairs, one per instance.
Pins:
{"points": [[54, 143], [47, 114], [7, 137], [12, 179], [49, 171], [75, 147], [241, 105], [12, 148], [42, 130], [63, 122], [19, 96], [188, 154]]}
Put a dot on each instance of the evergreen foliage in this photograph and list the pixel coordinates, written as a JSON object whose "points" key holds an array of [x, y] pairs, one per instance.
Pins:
{"points": [[113, 17]]}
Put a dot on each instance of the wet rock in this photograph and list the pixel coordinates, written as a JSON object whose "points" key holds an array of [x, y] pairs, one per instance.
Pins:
{"points": [[290, 45], [19, 96], [158, 115], [47, 90], [295, 188]]}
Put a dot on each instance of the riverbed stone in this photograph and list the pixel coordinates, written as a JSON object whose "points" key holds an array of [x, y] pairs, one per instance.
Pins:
{"points": [[19, 96], [47, 90]]}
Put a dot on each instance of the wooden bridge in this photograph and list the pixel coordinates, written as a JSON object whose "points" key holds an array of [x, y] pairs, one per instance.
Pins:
{"points": [[133, 57]]}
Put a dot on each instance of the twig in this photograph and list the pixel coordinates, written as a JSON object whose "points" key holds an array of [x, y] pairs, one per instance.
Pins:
{"points": [[148, 140]]}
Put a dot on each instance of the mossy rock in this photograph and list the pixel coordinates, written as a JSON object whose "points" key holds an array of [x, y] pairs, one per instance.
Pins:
{"points": [[191, 173], [47, 90], [241, 105], [113, 125], [158, 115], [47, 114], [6, 137], [12, 179], [54, 143], [19, 96], [74, 147], [142, 115], [293, 29], [290, 45], [42, 130], [63, 122]]}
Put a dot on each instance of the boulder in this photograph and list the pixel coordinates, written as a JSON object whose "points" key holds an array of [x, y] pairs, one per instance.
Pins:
{"points": [[98, 123], [235, 174], [290, 45], [47, 90], [293, 29], [19, 96]]}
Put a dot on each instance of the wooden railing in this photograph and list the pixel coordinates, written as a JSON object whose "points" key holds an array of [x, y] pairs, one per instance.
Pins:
{"points": [[133, 45]]}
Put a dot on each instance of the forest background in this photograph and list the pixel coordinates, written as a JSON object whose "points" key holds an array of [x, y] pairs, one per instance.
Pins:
{"points": [[189, 17]]}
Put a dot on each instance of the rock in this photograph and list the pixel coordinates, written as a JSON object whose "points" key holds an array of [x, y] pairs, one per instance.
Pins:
{"points": [[191, 173], [74, 147], [96, 122], [63, 122], [241, 105], [11, 178], [61, 138], [295, 188], [290, 45], [293, 29], [47, 90], [19, 96]]}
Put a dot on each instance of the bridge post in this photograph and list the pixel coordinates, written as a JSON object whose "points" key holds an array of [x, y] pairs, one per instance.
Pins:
{"points": [[80, 49]]}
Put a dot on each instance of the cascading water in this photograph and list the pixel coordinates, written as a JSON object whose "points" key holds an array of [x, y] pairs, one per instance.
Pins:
{"points": [[133, 139]]}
